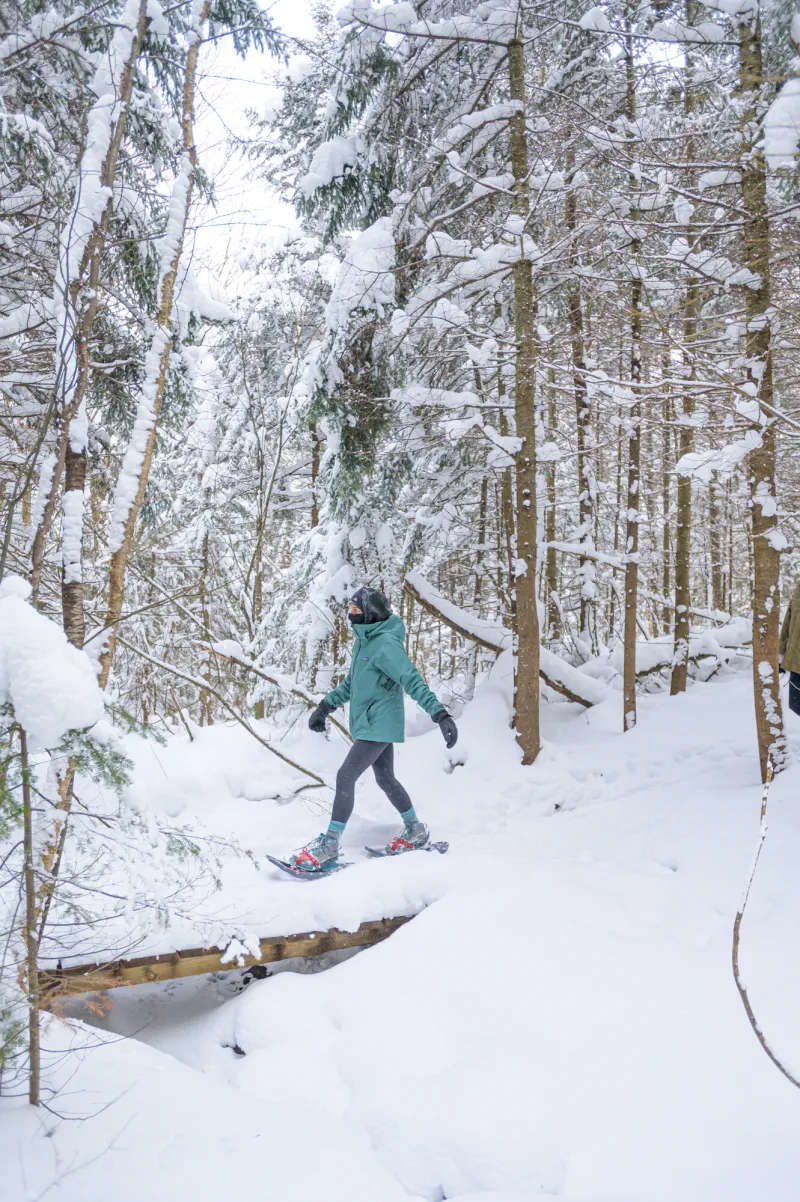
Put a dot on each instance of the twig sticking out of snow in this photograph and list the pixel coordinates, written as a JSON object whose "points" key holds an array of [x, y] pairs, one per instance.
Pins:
{"points": [[762, 834], [234, 713]]}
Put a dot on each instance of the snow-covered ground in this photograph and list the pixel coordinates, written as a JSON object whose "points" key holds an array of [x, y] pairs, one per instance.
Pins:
{"points": [[559, 1020]]}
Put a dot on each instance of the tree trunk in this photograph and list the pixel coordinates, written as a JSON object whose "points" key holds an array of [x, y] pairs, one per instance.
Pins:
{"points": [[72, 543], [691, 312], [139, 456], [612, 616], [729, 518], [31, 940], [73, 370], [507, 533], [634, 445], [526, 627], [666, 463], [258, 600], [632, 519], [715, 496], [553, 633], [767, 539], [80, 292], [646, 492], [586, 483], [206, 704], [316, 443], [683, 517], [472, 659]]}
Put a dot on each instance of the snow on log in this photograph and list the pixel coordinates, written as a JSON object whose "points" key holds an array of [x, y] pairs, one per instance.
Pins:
{"points": [[569, 681], [719, 645], [554, 671], [490, 635]]}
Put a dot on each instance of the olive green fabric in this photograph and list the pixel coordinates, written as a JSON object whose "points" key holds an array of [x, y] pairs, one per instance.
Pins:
{"points": [[379, 672], [790, 634]]}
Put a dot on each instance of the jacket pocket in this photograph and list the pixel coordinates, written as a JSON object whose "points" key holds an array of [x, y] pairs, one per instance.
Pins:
{"points": [[387, 682]]}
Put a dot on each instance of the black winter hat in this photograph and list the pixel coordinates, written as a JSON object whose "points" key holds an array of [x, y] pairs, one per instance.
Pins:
{"points": [[372, 604]]}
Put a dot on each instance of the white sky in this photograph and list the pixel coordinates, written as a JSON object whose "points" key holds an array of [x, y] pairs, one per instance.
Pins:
{"points": [[246, 211]]}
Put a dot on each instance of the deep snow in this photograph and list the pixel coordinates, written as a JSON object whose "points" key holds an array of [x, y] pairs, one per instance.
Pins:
{"points": [[559, 1020]]}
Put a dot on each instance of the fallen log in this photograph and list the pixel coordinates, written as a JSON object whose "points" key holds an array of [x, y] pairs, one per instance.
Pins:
{"points": [[554, 671], [719, 645], [142, 970], [490, 635]]}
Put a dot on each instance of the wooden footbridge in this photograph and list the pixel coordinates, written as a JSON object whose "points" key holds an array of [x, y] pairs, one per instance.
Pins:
{"points": [[172, 966]]}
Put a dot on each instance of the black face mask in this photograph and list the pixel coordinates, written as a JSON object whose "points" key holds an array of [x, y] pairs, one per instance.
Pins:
{"points": [[356, 619]]}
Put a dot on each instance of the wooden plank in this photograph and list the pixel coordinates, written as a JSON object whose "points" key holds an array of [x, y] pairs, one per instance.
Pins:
{"points": [[93, 978]]}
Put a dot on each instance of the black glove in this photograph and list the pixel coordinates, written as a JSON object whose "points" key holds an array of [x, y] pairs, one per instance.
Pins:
{"points": [[317, 720], [448, 728]]}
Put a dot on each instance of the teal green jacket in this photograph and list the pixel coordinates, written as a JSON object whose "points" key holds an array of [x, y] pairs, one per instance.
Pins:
{"points": [[379, 672]]}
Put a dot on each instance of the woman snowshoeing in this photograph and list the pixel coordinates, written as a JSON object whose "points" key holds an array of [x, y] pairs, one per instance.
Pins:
{"points": [[379, 672]]}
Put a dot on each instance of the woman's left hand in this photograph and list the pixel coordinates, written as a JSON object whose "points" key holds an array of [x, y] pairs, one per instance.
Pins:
{"points": [[448, 728]]}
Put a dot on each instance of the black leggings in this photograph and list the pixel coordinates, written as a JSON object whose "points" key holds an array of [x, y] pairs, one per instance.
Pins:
{"points": [[360, 756]]}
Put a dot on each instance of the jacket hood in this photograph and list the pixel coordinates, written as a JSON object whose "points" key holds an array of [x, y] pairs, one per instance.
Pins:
{"points": [[373, 605], [393, 626]]}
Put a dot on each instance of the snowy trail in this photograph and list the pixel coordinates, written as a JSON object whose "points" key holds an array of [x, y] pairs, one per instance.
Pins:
{"points": [[615, 796], [559, 1020]]}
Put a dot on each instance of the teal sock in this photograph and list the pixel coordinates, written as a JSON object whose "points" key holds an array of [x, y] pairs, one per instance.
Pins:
{"points": [[410, 817], [336, 829]]}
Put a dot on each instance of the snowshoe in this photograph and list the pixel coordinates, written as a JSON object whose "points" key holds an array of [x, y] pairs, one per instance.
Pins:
{"points": [[415, 837], [319, 858], [301, 874]]}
